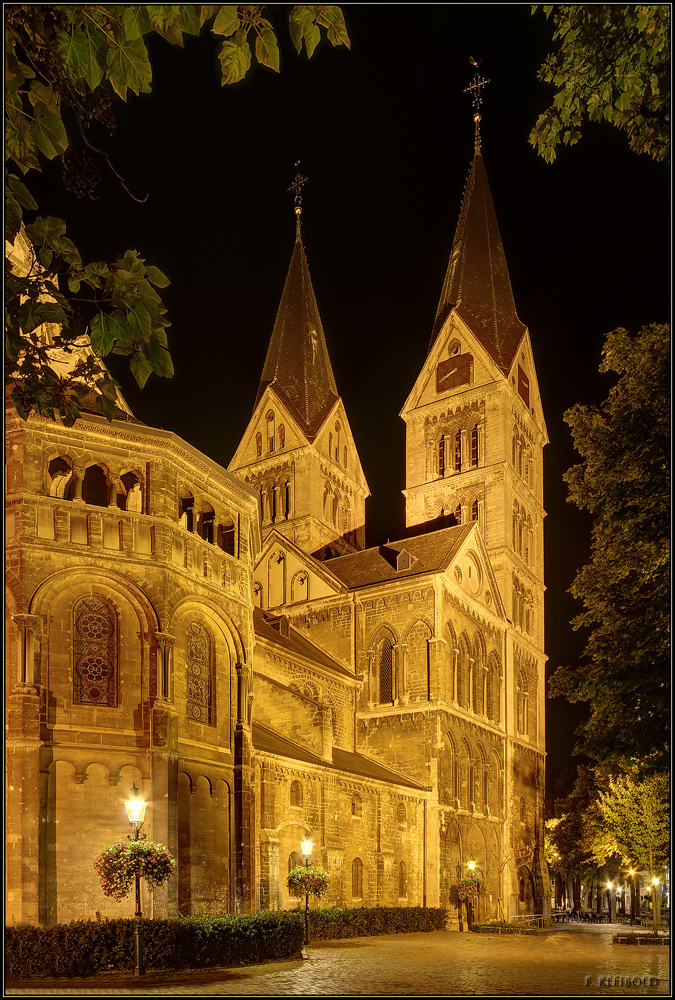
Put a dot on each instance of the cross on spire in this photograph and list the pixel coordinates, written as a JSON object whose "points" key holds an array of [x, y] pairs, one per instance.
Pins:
{"points": [[296, 187], [476, 88]]}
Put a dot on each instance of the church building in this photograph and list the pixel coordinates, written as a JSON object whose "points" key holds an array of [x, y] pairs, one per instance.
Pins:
{"points": [[223, 640]]}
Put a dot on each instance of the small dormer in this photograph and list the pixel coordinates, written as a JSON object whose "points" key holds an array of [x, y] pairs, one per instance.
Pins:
{"points": [[398, 559]]}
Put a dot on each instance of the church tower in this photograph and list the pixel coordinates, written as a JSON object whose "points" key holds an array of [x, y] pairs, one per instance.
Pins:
{"points": [[475, 434], [475, 429], [298, 451]]}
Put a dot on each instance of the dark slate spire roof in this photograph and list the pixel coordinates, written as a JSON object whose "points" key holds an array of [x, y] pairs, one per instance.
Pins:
{"points": [[297, 365], [477, 281]]}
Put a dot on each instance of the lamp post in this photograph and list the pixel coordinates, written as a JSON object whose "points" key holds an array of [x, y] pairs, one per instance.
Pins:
{"points": [[459, 901], [655, 915], [135, 808], [306, 848], [476, 873]]}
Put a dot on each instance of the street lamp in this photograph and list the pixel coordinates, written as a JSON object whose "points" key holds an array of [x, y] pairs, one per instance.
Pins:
{"points": [[135, 808], [609, 901], [306, 848]]}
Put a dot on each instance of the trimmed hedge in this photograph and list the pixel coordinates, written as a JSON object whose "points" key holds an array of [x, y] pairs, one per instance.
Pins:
{"points": [[331, 923], [500, 927], [85, 947]]}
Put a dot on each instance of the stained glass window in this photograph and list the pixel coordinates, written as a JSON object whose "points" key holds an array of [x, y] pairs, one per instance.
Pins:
{"points": [[199, 674], [95, 652]]}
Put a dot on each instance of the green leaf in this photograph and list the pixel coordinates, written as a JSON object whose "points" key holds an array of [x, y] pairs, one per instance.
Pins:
{"points": [[49, 132], [227, 21], [45, 229], [140, 323], [21, 193], [93, 69], [189, 19], [102, 340], [302, 26], [235, 59], [166, 19], [136, 21], [157, 277], [267, 48], [141, 368], [129, 66], [337, 29]]}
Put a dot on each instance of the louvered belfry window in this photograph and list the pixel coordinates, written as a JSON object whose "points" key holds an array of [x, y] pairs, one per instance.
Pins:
{"points": [[95, 652], [199, 674], [386, 672]]}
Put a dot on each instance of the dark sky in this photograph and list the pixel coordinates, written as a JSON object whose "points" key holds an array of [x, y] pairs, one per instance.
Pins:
{"points": [[385, 135]]}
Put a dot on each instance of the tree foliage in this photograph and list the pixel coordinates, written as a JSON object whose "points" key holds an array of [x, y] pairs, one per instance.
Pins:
{"points": [[612, 64], [66, 66], [624, 482], [636, 815]]}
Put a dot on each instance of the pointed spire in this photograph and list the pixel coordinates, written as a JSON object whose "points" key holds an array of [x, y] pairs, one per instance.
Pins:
{"points": [[297, 365], [477, 283]]}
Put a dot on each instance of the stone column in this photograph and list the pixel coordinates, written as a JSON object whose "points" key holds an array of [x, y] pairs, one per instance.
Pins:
{"points": [[25, 670], [244, 798], [268, 874]]}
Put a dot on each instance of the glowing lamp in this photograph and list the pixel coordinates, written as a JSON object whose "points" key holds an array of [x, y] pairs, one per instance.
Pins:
{"points": [[135, 808], [306, 848]]}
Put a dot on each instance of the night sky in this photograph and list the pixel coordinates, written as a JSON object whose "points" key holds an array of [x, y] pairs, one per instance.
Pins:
{"points": [[385, 135]]}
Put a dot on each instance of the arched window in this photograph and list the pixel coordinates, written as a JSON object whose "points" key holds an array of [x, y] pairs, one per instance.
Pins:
{"points": [[282, 436], [258, 445], [337, 441], [357, 878], [131, 495], [357, 806], [474, 510], [441, 455], [522, 704], [200, 671], [294, 860], [95, 652], [463, 689], [61, 483], [225, 535], [402, 880], [474, 446], [206, 522], [401, 818], [95, 488], [296, 795], [344, 462], [269, 418], [493, 689], [386, 672], [186, 511], [522, 896], [457, 459]]}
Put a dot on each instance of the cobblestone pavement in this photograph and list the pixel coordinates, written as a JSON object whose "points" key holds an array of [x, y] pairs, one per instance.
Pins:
{"points": [[572, 961]]}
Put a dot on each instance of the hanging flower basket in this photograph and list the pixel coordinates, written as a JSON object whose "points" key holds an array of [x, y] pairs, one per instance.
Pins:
{"points": [[470, 888], [117, 865], [313, 881]]}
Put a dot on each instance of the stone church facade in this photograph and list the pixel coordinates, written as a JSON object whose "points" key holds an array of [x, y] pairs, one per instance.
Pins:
{"points": [[222, 638]]}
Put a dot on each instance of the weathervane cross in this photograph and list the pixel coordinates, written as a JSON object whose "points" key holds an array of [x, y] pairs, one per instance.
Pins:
{"points": [[296, 187], [476, 88]]}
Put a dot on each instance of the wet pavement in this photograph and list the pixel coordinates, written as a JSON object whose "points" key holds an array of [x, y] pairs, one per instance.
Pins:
{"points": [[577, 960]]}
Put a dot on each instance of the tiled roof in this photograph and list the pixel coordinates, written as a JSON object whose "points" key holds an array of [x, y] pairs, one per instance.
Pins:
{"points": [[429, 552], [269, 741], [477, 282], [297, 365], [277, 629]]}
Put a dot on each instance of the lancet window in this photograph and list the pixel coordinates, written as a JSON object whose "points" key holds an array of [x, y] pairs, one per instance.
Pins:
{"points": [[200, 674], [95, 652]]}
